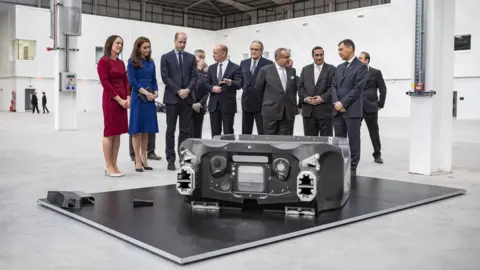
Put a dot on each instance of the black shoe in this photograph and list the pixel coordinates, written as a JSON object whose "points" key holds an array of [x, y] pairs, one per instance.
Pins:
{"points": [[146, 167], [153, 156], [132, 157], [171, 167], [137, 169], [378, 160]]}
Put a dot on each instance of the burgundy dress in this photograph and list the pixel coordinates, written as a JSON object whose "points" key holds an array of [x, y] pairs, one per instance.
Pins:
{"points": [[113, 77]]}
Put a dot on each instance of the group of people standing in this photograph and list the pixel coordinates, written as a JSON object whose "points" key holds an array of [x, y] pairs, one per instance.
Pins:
{"points": [[329, 98]]}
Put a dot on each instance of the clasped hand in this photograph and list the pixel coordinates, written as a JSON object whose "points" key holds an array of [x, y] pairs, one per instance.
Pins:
{"points": [[314, 100], [125, 103], [196, 107], [183, 93], [339, 106], [216, 89]]}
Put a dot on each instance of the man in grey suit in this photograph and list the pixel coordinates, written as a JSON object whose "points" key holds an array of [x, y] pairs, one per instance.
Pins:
{"points": [[251, 102], [372, 104], [347, 98], [315, 95], [277, 87]]}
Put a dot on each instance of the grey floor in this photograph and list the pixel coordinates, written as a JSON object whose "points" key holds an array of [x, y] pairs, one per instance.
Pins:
{"points": [[34, 159]]}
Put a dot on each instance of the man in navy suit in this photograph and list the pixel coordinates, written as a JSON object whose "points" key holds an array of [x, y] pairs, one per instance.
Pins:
{"points": [[251, 101], [347, 97], [179, 74], [224, 78]]}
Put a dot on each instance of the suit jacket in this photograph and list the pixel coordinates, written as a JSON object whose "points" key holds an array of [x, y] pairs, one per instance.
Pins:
{"points": [[201, 91], [322, 87], [375, 81], [277, 102], [44, 100], [228, 96], [251, 101], [348, 85], [172, 76]]}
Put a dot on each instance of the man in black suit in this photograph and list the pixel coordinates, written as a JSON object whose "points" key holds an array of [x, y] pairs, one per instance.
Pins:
{"points": [[372, 104], [224, 78], [278, 90], [347, 98], [179, 74], [201, 96], [44, 103], [251, 102], [34, 102], [315, 95]]}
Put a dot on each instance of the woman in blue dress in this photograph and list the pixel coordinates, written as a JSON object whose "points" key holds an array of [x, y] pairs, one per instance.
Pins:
{"points": [[143, 111]]}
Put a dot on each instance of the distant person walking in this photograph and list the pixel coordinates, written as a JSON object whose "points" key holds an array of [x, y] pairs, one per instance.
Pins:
{"points": [[44, 103], [35, 103]]}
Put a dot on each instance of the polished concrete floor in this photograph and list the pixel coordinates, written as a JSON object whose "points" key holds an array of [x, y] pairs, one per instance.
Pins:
{"points": [[34, 159]]}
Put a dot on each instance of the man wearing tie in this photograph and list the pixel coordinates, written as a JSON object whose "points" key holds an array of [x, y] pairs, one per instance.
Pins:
{"points": [[371, 104], [179, 74], [251, 102], [315, 95], [224, 78], [347, 97], [201, 96], [278, 91]]}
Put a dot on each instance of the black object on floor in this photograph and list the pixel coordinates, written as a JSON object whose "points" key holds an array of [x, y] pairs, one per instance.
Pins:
{"points": [[173, 230], [142, 203]]}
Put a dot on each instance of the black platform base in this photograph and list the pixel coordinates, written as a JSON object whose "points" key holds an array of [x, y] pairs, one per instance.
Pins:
{"points": [[171, 229]]}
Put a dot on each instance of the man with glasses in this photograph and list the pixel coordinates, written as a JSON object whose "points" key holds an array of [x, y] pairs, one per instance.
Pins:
{"points": [[251, 102], [277, 87]]}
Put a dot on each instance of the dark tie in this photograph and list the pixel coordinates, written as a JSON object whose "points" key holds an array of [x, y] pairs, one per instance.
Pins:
{"points": [[220, 73], [253, 67], [180, 64]]}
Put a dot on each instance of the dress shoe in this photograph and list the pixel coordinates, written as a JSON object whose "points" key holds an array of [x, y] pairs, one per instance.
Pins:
{"points": [[171, 167], [147, 167], [378, 160], [153, 156]]}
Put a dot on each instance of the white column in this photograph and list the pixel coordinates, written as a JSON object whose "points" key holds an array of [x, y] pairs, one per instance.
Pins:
{"points": [[431, 117], [65, 101]]}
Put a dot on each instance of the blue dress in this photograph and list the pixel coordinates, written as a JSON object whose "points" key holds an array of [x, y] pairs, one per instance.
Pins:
{"points": [[143, 116]]}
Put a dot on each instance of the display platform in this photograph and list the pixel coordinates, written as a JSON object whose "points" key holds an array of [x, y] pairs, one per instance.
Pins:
{"points": [[172, 229]]}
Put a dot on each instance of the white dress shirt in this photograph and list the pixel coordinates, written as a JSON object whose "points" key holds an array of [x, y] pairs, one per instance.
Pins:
{"points": [[282, 72], [317, 69]]}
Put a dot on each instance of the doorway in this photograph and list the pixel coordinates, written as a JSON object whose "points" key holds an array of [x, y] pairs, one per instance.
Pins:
{"points": [[28, 98]]}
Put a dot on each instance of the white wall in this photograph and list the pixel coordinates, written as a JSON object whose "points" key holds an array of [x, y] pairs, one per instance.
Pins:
{"points": [[7, 68], [385, 31], [95, 30]]}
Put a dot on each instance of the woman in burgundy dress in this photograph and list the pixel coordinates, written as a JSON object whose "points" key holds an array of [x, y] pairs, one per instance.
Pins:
{"points": [[115, 102]]}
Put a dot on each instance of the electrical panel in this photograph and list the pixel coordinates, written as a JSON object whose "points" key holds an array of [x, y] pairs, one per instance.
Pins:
{"points": [[68, 82]]}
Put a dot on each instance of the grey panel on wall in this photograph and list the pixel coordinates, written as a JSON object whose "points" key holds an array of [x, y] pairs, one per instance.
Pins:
{"points": [[112, 3], [87, 8], [112, 11], [101, 11], [135, 15], [27, 2]]}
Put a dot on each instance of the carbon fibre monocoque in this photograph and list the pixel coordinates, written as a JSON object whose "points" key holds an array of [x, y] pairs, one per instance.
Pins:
{"points": [[295, 174]]}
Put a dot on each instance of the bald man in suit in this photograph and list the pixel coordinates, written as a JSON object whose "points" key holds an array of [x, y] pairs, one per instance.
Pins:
{"points": [[277, 86]]}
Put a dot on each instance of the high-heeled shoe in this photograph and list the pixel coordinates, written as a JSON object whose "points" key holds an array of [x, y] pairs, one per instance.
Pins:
{"points": [[137, 169], [109, 174], [147, 167]]}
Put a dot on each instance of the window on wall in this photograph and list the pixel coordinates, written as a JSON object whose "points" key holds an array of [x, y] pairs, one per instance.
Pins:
{"points": [[24, 49], [98, 54], [99, 51], [463, 42]]}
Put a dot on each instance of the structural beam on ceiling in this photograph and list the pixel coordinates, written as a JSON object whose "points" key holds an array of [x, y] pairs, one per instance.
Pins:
{"points": [[237, 5], [215, 7], [219, 11], [196, 3], [286, 6]]}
